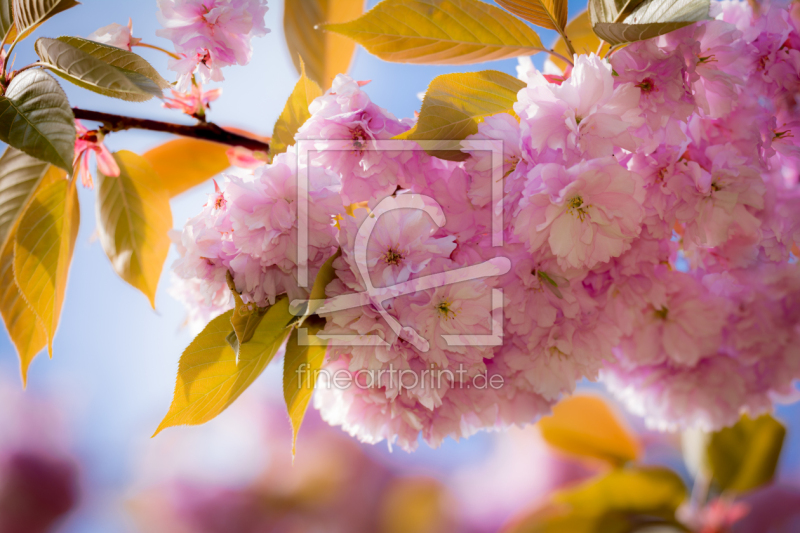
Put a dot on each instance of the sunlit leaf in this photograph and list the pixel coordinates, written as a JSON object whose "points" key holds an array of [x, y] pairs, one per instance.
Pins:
{"points": [[133, 218], [551, 14], [649, 19], [121, 59], [246, 317], [89, 72], [43, 246], [29, 14], [35, 117], [584, 40], [210, 377], [24, 328], [415, 504], [301, 366], [295, 113], [619, 502], [455, 104], [440, 32], [185, 163], [20, 176], [586, 426], [7, 29], [317, 295], [326, 54], [744, 457]]}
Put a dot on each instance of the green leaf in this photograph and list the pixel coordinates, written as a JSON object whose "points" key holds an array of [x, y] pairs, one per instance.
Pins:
{"points": [[550, 14], [301, 366], [325, 54], [184, 163], [586, 426], [116, 57], [43, 246], [317, 295], [7, 29], [295, 113], [35, 117], [29, 14], [649, 19], [20, 176], [245, 318], [440, 32], [24, 327], [619, 502], [210, 377], [89, 72], [744, 457], [133, 218], [455, 104]]}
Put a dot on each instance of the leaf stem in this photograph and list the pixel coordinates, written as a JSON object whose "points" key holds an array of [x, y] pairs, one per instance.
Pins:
{"points": [[568, 43], [205, 130], [556, 54], [154, 47]]}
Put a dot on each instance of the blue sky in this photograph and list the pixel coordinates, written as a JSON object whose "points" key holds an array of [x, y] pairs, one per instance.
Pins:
{"points": [[115, 359]]}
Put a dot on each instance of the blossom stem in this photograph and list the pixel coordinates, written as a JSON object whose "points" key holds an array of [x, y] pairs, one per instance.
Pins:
{"points": [[154, 47], [206, 130]]}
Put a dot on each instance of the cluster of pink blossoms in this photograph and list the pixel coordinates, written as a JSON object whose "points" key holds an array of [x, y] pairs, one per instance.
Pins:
{"points": [[210, 34], [651, 213]]}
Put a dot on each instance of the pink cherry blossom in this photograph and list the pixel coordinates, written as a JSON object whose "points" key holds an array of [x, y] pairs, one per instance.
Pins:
{"points": [[211, 34], [585, 214], [116, 35], [86, 143], [586, 116]]}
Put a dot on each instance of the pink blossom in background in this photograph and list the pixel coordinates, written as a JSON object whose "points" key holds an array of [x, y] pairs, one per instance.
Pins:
{"points": [[211, 34], [116, 35]]}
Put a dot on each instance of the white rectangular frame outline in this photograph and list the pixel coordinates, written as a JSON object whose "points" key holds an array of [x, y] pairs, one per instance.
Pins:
{"points": [[306, 146]]}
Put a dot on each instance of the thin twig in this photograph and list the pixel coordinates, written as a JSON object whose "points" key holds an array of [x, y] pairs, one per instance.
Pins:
{"points": [[154, 47], [207, 131], [567, 42]]}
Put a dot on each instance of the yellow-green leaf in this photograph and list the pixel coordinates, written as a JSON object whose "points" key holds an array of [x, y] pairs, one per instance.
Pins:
{"points": [[649, 19], [325, 54], [317, 295], [301, 366], [654, 491], [246, 317], [85, 70], [7, 29], [20, 176], [586, 426], [185, 163], [619, 502], [440, 32], [30, 14], [455, 104], [22, 324], [744, 457], [295, 113], [584, 40], [43, 246], [133, 218], [551, 14], [210, 377], [37, 118], [116, 57]]}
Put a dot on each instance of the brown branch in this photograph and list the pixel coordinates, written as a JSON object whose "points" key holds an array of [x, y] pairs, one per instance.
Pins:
{"points": [[205, 130]]}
